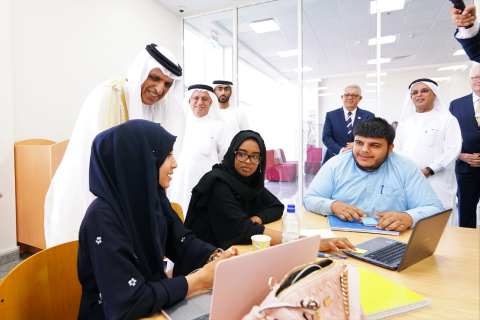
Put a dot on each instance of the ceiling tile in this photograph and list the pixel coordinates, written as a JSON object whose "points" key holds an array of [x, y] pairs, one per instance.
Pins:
{"points": [[425, 6]]}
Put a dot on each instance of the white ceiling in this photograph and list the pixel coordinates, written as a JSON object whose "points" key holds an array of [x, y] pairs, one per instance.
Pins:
{"points": [[331, 29], [194, 5]]}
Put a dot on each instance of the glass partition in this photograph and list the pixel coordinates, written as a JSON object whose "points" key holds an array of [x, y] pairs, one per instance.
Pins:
{"points": [[208, 48], [336, 37], [267, 78], [339, 48]]}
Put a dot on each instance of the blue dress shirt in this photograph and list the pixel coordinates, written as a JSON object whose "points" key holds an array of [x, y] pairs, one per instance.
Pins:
{"points": [[398, 185]]}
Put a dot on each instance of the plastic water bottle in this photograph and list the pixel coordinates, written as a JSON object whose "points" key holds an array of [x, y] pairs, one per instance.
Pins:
{"points": [[290, 225]]}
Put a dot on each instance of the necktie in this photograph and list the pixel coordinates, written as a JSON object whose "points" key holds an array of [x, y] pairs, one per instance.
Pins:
{"points": [[350, 126], [477, 110]]}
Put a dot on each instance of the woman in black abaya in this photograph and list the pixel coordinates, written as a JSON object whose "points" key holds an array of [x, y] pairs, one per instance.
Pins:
{"points": [[230, 203], [131, 226]]}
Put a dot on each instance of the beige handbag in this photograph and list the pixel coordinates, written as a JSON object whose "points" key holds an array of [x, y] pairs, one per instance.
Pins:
{"points": [[320, 290]]}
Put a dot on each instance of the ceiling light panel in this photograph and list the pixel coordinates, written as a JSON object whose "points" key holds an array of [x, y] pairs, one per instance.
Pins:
{"points": [[459, 52], [288, 53], [262, 26], [383, 40], [374, 61], [453, 68]]}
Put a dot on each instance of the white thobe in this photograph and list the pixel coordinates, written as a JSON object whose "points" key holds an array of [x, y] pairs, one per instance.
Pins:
{"points": [[235, 119], [68, 196], [433, 139], [206, 142]]}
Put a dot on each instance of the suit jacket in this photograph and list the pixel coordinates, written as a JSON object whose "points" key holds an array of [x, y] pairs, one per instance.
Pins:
{"points": [[462, 109], [335, 136], [471, 46]]}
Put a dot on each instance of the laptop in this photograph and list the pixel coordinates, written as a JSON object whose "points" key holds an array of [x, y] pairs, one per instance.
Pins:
{"points": [[396, 255], [241, 282]]}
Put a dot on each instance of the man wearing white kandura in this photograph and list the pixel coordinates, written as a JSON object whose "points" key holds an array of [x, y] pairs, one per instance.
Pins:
{"points": [[146, 92], [430, 136], [206, 141]]}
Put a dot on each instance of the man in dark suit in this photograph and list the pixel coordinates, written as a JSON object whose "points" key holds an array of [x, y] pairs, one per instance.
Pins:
{"points": [[339, 123], [467, 111]]}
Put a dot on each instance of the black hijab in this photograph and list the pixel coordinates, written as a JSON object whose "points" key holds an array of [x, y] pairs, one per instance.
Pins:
{"points": [[246, 187], [124, 171], [250, 189]]}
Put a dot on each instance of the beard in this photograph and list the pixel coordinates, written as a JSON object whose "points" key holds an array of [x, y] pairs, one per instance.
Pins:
{"points": [[223, 99], [377, 164]]}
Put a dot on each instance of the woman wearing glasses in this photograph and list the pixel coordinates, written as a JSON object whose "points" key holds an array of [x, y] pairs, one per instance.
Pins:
{"points": [[230, 203]]}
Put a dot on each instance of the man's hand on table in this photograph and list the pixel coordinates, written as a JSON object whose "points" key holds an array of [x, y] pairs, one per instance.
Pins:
{"points": [[396, 221], [335, 244], [346, 211]]}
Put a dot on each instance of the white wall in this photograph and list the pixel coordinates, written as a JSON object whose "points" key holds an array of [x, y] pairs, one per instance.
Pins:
{"points": [[63, 49], [8, 236], [53, 53]]}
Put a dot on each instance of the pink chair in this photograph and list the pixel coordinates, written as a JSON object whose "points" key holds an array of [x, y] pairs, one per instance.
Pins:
{"points": [[314, 160], [286, 171]]}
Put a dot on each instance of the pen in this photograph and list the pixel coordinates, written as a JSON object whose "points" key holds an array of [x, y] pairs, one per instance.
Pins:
{"points": [[334, 256], [381, 191]]}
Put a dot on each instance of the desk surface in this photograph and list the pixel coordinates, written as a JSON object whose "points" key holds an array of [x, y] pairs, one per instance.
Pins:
{"points": [[450, 277]]}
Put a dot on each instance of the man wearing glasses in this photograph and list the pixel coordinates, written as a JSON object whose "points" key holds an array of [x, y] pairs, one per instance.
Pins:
{"points": [[467, 111], [430, 136], [206, 141], [339, 123]]}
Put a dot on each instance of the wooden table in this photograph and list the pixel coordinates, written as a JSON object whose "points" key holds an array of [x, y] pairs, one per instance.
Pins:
{"points": [[450, 277]]}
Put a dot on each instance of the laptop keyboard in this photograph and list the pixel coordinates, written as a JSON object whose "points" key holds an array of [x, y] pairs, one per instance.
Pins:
{"points": [[206, 316], [389, 254]]}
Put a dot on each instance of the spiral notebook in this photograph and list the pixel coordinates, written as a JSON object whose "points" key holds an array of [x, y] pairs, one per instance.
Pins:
{"points": [[336, 224], [382, 298]]}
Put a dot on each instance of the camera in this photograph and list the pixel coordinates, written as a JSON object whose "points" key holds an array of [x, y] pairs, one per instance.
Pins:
{"points": [[181, 9]]}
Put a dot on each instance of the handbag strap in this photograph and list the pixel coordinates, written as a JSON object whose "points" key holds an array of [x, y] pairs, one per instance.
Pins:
{"points": [[300, 274]]}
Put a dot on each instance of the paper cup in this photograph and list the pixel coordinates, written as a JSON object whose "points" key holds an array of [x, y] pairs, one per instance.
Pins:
{"points": [[260, 242]]}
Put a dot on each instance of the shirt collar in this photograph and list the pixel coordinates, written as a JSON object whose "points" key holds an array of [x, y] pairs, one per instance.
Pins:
{"points": [[475, 97], [345, 111]]}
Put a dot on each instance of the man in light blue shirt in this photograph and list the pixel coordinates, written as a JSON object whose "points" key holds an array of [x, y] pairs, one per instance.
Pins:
{"points": [[373, 181]]}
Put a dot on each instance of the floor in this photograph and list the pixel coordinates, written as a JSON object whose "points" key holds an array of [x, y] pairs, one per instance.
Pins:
{"points": [[6, 268]]}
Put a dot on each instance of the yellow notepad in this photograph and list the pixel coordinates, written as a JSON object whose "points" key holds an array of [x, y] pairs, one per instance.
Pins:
{"points": [[382, 298]]}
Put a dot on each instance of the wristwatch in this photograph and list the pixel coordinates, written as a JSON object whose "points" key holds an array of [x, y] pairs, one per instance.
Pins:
{"points": [[430, 170]]}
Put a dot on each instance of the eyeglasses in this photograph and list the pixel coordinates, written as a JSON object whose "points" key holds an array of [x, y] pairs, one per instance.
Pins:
{"points": [[475, 79], [204, 99], [348, 95], [416, 92], [242, 157]]}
